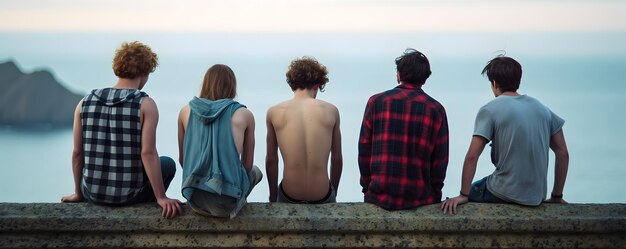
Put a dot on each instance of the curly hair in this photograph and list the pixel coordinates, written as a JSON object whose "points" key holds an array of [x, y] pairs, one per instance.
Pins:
{"points": [[134, 59], [219, 83], [306, 72]]}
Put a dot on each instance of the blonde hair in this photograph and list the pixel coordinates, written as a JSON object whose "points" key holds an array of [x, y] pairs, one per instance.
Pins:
{"points": [[219, 83]]}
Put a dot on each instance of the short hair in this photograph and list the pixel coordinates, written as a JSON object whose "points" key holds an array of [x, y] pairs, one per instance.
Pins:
{"points": [[134, 59], [306, 72], [219, 83], [505, 71], [413, 67]]}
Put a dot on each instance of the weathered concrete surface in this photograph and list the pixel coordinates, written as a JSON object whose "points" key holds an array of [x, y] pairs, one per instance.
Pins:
{"points": [[351, 225]]}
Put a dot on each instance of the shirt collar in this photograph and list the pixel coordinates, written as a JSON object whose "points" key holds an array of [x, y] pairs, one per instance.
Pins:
{"points": [[409, 86]]}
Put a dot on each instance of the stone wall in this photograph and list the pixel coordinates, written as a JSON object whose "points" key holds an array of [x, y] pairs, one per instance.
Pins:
{"points": [[346, 225]]}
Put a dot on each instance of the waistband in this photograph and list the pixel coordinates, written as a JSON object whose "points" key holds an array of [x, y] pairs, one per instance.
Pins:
{"points": [[323, 200]]}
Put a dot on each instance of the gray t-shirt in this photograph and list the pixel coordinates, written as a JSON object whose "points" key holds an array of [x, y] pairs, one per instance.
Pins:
{"points": [[520, 128]]}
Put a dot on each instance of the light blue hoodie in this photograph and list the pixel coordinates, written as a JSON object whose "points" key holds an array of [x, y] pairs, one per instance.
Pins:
{"points": [[211, 161]]}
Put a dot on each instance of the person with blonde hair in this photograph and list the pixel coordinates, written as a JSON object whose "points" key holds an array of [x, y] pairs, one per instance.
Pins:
{"points": [[216, 147], [115, 161]]}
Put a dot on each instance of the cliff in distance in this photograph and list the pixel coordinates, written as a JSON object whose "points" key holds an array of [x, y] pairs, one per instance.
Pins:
{"points": [[34, 99]]}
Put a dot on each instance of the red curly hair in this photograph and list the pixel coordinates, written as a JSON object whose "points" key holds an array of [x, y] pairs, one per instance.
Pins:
{"points": [[134, 59], [306, 72]]}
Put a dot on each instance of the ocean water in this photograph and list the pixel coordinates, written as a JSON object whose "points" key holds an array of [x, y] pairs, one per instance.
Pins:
{"points": [[580, 76]]}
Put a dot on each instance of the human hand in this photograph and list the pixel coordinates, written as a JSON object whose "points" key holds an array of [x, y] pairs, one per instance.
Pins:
{"points": [[556, 200], [171, 207], [449, 205], [73, 198]]}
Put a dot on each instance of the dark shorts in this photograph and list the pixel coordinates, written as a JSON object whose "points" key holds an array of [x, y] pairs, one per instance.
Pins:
{"points": [[480, 193], [329, 198]]}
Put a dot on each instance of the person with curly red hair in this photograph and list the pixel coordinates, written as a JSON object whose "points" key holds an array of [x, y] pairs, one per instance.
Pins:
{"points": [[115, 161], [307, 132]]}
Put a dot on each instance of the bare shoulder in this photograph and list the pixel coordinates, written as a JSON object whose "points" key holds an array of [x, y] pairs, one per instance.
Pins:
{"points": [[148, 107], [278, 107], [79, 106], [148, 102], [283, 104], [244, 113], [328, 106], [185, 110], [183, 115]]}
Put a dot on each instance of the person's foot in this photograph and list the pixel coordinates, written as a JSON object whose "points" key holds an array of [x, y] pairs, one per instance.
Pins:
{"points": [[72, 198]]}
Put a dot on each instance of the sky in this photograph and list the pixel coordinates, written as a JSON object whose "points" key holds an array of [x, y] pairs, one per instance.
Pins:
{"points": [[312, 16]]}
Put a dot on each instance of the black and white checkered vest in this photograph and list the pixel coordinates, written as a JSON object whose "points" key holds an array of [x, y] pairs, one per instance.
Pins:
{"points": [[113, 171]]}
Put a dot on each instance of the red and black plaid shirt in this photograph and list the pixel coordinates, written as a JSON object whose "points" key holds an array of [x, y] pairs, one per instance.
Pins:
{"points": [[403, 148]]}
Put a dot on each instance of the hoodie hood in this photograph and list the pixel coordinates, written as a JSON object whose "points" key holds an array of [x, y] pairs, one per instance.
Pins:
{"points": [[209, 110], [114, 96]]}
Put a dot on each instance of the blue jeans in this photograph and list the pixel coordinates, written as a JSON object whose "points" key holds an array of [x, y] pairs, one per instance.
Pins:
{"points": [[146, 194], [168, 170], [480, 193]]}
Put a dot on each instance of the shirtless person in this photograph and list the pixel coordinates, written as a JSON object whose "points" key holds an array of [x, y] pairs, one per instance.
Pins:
{"points": [[307, 131]]}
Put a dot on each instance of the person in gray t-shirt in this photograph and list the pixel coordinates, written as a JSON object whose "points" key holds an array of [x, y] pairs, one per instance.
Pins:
{"points": [[521, 130]]}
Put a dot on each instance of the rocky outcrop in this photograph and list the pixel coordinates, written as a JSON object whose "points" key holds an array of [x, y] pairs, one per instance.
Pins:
{"points": [[34, 99]]}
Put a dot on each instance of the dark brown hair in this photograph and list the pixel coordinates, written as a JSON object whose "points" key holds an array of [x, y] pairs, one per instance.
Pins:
{"points": [[413, 67], [134, 59], [219, 83], [306, 72], [505, 71]]}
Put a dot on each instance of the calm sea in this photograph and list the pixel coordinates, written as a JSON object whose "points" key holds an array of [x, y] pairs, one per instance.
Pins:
{"points": [[580, 76]]}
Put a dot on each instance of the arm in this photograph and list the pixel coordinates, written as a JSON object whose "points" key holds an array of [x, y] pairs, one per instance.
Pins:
{"points": [[271, 158], [150, 158], [440, 157], [365, 148], [78, 159], [183, 116], [336, 158], [557, 144], [247, 155], [469, 169]]}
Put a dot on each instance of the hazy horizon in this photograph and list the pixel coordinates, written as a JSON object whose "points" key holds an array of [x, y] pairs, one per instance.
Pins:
{"points": [[313, 16]]}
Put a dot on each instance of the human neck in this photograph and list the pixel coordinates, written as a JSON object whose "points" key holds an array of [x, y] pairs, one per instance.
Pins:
{"points": [[509, 93], [124, 83], [305, 93]]}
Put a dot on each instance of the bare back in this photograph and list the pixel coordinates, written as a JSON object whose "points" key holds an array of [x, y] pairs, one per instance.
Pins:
{"points": [[304, 130]]}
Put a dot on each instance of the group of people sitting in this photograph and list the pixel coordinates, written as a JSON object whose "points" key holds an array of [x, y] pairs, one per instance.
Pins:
{"points": [[403, 143]]}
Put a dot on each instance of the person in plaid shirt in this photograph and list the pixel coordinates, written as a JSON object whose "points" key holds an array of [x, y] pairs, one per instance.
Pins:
{"points": [[115, 161], [403, 145]]}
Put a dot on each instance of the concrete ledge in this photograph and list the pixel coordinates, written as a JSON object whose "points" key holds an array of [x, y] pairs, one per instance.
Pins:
{"points": [[350, 225]]}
